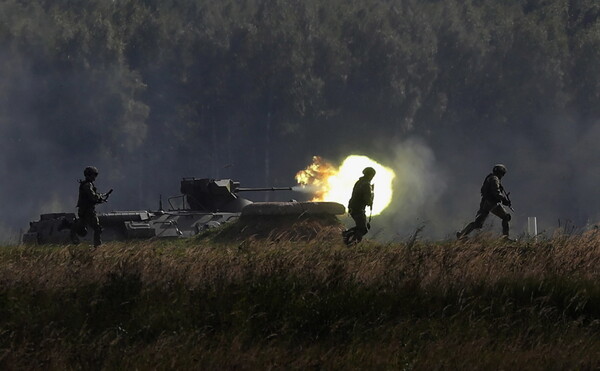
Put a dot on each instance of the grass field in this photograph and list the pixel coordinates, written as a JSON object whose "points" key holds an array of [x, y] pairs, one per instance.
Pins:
{"points": [[290, 304]]}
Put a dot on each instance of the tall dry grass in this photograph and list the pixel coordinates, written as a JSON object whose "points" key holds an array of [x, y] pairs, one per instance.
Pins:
{"points": [[272, 303]]}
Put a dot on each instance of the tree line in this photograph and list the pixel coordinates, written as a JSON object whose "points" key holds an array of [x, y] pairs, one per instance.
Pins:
{"points": [[265, 84]]}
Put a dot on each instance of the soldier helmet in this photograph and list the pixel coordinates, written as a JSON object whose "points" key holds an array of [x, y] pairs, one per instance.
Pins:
{"points": [[369, 172], [499, 170], [90, 170]]}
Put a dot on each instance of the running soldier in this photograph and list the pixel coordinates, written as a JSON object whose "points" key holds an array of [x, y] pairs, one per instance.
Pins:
{"points": [[86, 204], [362, 196], [493, 197]]}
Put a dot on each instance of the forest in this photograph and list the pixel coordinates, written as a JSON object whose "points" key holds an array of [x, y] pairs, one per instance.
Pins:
{"points": [[150, 91]]}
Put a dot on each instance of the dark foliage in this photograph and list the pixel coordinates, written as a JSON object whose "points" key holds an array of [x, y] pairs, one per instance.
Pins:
{"points": [[252, 89]]}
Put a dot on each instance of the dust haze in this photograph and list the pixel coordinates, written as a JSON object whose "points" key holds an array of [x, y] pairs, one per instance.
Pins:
{"points": [[555, 182], [150, 93], [553, 175]]}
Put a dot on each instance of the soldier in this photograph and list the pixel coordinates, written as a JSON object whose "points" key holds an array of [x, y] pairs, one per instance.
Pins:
{"points": [[88, 198], [362, 196], [492, 199]]}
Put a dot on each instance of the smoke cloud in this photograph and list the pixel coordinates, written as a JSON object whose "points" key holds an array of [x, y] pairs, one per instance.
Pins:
{"points": [[553, 175], [418, 188], [151, 94]]}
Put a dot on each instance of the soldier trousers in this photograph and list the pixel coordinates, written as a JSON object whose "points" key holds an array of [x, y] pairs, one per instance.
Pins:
{"points": [[485, 208], [360, 219], [87, 218]]}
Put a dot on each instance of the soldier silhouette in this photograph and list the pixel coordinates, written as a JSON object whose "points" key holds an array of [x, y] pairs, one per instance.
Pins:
{"points": [[86, 204], [362, 196], [493, 197]]}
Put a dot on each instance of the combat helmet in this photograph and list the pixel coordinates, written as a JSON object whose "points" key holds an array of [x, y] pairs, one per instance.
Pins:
{"points": [[369, 172], [499, 170], [90, 171]]}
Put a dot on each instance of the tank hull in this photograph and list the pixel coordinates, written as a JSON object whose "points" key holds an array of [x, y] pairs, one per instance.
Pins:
{"points": [[142, 224], [127, 225]]}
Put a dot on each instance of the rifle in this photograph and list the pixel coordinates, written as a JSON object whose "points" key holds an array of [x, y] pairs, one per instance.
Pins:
{"points": [[104, 197], [508, 199], [371, 207]]}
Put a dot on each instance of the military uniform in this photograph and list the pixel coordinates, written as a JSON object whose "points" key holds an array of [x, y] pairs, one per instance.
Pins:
{"points": [[362, 196], [492, 199], [86, 204]]}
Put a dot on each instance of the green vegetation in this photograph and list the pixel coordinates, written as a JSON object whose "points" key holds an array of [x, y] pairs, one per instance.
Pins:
{"points": [[265, 303]]}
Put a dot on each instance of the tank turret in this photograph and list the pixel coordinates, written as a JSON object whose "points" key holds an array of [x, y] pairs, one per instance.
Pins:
{"points": [[218, 195]]}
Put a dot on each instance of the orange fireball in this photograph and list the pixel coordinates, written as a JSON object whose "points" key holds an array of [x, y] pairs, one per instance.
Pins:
{"points": [[329, 183]]}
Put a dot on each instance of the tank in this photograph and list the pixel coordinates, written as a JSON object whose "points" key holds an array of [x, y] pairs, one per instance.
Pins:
{"points": [[203, 204], [214, 196]]}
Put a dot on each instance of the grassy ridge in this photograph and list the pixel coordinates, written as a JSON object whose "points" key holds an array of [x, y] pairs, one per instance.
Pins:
{"points": [[258, 304]]}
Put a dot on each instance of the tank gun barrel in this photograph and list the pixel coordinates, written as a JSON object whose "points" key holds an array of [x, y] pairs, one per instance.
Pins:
{"points": [[244, 189], [217, 194]]}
